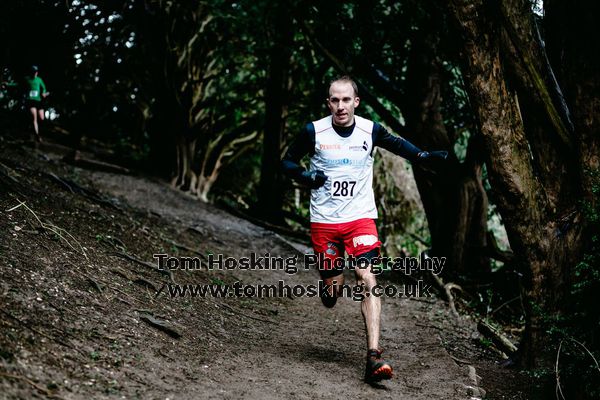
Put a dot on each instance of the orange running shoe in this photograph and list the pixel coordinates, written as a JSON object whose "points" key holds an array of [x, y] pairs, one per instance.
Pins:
{"points": [[377, 368]]}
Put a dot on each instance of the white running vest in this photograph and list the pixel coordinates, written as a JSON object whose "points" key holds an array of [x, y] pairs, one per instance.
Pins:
{"points": [[348, 193]]}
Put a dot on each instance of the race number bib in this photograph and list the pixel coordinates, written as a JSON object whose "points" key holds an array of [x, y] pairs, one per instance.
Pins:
{"points": [[33, 94], [342, 188]]}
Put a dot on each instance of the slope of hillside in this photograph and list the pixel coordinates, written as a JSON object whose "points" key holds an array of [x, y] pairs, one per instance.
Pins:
{"points": [[85, 312]]}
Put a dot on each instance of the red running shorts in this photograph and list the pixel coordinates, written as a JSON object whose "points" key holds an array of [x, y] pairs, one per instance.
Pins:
{"points": [[355, 238]]}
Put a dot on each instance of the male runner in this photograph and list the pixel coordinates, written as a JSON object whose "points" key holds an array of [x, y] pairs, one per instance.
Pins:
{"points": [[342, 205], [36, 91]]}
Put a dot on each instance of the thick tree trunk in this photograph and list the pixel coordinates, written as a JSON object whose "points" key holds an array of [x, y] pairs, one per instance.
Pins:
{"points": [[544, 238], [270, 193]]}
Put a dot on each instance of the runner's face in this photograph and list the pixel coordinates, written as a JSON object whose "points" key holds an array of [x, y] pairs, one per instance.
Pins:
{"points": [[342, 102]]}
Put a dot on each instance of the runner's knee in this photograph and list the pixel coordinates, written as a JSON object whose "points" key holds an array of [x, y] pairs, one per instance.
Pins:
{"points": [[366, 276]]}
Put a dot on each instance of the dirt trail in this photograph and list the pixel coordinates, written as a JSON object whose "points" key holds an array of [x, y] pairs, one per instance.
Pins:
{"points": [[310, 351], [72, 327]]}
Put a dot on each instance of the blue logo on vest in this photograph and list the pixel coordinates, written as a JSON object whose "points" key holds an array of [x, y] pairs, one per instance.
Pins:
{"points": [[346, 161]]}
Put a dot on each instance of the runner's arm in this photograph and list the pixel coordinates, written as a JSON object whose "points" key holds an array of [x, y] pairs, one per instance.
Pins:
{"points": [[44, 92], [395, 144], [402, 147], [303, 144]]}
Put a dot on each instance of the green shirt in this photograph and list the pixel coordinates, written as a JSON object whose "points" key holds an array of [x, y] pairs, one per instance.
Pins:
{"points": [[36, 87]]}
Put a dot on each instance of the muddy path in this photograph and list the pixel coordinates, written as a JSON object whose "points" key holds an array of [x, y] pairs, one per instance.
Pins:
{"points": [[75, 312]]}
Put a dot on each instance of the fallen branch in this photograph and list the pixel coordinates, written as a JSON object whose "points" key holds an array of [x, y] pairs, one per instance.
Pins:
{"points": [[162, 325], [501, 342], [153, 267]]}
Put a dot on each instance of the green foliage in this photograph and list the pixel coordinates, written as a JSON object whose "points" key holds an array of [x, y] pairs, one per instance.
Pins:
{"points": [[486, 342], [94, 355], [577, 331], [217, 281]]}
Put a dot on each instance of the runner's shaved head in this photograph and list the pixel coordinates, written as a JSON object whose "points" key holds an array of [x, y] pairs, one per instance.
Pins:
{"points": [[343, 79]]}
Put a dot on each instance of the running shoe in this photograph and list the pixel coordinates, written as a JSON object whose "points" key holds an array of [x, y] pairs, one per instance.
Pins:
{"points": [[377, 368]]}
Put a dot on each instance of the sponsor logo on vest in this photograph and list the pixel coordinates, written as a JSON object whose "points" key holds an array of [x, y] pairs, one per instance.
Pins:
{"points": [[364, 240], [346, 161], [364, 147], [330, 146]]}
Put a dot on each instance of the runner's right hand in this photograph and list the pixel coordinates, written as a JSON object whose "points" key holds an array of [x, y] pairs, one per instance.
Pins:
{"points": [[433, 155], [314, 179]]}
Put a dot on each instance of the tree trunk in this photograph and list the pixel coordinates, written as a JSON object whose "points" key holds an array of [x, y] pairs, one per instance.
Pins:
{"points": [[544, 238], [270, 193]]}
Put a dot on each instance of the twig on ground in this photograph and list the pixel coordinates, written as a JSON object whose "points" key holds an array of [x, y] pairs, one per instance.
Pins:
{"points": [[153, 267], [60, 232]]}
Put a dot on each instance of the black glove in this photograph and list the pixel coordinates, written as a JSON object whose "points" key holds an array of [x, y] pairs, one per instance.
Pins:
{"points": [[433, 155], [313, 179]]}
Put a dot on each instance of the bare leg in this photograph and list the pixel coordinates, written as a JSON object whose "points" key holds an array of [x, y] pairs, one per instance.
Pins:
{"points": [[34, 113], [370, 306], [41, 117], [336, 282]]}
